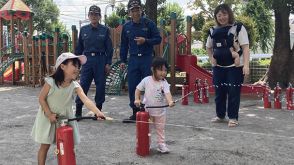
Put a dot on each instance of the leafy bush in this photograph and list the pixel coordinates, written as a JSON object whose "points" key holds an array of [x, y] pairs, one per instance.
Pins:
{"points": [[265, 62], [199, 51], [113, 20]]}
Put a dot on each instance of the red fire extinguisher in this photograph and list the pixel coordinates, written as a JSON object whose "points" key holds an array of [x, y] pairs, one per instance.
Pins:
{"points": [[289, 97], [65, 141], [143, 139], [277, 96], [197, 92], [266, 97], [205, 93], [65, 144], [185, 90]]}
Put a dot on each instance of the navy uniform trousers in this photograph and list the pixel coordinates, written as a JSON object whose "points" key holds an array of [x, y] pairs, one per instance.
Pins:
{"points": [[227, 81], [94, 69], [139, 67]]}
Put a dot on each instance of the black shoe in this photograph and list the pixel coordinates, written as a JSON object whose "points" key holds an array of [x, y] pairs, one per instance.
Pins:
{"points": [[131, 119], [99, 107], [79, 111], [78, 116]]}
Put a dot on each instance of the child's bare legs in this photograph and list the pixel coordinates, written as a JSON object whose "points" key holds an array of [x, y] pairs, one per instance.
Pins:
{"points": [[42, 154], [236, 57]]}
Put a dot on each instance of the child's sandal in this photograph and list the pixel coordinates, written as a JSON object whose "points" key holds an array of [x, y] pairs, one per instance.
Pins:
{"points": [[233, 123]]}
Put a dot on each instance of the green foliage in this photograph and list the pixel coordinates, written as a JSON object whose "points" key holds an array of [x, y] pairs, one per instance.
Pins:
{"points": [[264, 62], [121, 11], [46, 14], [198, 21], [199, 51], [250, 26], [112, 20], [262, 16], [206, 64], [166, 12], [208, 6], [205, 30]]}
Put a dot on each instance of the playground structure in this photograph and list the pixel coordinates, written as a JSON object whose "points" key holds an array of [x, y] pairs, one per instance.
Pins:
{"points": [[37, 54], [27, 59], [182, 59]]}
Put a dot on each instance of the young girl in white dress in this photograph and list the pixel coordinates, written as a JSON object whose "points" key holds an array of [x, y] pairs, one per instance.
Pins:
{"points": [[56, 98]]}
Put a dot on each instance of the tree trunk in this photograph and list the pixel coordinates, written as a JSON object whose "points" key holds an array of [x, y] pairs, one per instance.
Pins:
{"points": [[280, 63], [151, 10]]}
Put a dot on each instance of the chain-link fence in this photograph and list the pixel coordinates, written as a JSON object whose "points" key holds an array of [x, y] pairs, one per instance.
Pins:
{"points": [[257, 68]]}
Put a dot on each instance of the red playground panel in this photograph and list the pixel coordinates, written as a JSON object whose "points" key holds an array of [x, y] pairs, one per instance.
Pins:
{"points": [[188, 64]]}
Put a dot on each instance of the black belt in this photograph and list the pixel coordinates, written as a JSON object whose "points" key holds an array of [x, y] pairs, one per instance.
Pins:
{"points": [[139, 54], [95, 53]]}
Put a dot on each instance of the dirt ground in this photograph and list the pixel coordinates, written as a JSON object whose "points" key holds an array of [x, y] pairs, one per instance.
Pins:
{"points": [[264, 137]]}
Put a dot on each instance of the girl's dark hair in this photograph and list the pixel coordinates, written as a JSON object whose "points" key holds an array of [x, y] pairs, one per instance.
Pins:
{"points": [[158, 62], [58, 75], [224, 8]]}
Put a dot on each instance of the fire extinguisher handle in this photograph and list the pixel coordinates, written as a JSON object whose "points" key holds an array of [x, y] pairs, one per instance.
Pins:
{"points": [[161, 106], [82, 118]]}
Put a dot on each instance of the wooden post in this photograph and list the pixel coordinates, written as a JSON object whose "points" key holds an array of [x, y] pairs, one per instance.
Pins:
{"points": [[189, 34], [34, 62], [30, 35], [46, 37], [173, 17], [12, 37], [1, 48], [74, 37], [26, 57], [40, 60], [55, 44], [18, 36], [65, 42], [161, 46]]}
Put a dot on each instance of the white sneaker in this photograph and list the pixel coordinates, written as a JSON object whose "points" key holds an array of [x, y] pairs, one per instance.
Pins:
{"points": [[162, 148]]}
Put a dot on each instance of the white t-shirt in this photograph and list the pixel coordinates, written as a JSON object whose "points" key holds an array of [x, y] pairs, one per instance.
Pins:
{"points": [[154, 94], [242, 39]]}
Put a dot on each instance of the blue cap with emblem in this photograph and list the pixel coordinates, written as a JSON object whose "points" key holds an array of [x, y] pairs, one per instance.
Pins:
{"points": [[133, 4], [95, 9]]}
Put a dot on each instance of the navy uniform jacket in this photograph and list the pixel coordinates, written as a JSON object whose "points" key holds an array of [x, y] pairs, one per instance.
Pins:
{"points": [[147, 29], [95, 40]]}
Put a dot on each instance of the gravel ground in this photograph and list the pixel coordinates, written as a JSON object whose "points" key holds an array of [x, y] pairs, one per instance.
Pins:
{"points": [[263, 137]]}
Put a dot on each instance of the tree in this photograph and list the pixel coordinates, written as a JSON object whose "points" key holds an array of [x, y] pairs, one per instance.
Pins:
{"points": [[281, 67], [121, 11], [46, 14], [151, 9], [198, 21], [113, 20], [262, 16], [166, 12], [207, 6]]}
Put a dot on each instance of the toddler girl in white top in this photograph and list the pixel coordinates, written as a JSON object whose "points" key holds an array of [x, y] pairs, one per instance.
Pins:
{"points": [[157, 93]]}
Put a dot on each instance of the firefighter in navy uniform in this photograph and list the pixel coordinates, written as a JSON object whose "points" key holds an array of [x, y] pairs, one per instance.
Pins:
{"points": [[94, 42], [138, 37]]}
